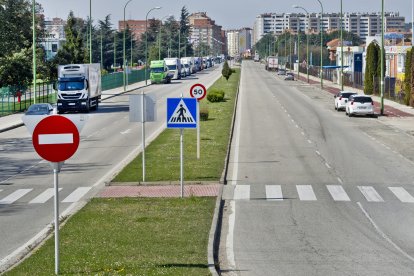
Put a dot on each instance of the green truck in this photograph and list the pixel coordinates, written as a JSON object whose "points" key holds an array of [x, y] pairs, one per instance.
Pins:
{"points": [[159, 72]]}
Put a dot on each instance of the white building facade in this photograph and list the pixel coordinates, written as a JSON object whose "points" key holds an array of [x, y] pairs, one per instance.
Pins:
{"points": [[361, 24]]}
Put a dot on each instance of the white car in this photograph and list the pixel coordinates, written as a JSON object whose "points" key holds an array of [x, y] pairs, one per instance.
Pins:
{"points": [[359, 105], [341, 98]]}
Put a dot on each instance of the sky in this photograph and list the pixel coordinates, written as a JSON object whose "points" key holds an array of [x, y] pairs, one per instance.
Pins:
{"points": [[230, 14]]}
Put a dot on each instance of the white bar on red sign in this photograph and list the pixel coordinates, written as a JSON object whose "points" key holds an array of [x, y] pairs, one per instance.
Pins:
{"points": [[50, 139]]}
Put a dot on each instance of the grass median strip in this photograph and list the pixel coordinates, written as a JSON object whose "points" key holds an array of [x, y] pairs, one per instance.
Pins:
{"points": [[162, 156], [130, 236]]}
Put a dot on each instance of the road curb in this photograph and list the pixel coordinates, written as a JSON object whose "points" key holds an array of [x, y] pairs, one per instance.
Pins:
{"points": [[214, 236]]}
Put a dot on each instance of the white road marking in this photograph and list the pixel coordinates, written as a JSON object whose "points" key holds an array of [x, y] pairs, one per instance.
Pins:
{"points": [[237, 137], [381, 233], [45, 196], [303, 133], [76, 195], [13, 197], [318, 153], [370, 194], [274, 193], [242, 192], [340, 180], [327, 165], [126, 131], [230, 236], [402, 194], [52, 139], [305, 192], [309, 141], [338, 193]]}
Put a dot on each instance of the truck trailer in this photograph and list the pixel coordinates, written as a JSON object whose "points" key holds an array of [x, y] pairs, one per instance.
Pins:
{"points": [[174, 66], [79, 87]]}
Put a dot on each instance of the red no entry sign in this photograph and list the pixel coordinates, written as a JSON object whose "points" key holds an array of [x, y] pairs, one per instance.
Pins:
{"points": [[55, 138]]}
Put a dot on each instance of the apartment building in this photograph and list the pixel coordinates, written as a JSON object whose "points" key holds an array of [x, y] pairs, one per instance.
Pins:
{"points": [[233, 43], [203, 29], [54, 36], [239, 42], [137, 27], [362, 24]]}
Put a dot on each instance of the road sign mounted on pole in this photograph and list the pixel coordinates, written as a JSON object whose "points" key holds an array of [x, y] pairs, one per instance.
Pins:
{"points": [[181, 113], [198, 91], [55, 138]]}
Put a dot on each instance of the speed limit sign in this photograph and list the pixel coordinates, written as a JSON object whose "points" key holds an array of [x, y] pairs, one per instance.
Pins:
{"points": [[198, 91]]}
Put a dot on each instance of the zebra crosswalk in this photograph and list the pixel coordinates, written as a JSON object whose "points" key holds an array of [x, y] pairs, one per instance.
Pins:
{"points": [[307, 193], [32, 196]]}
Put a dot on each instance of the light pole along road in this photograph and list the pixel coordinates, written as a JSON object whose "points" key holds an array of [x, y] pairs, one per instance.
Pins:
{"points": [[311, 191], [108, 141]]}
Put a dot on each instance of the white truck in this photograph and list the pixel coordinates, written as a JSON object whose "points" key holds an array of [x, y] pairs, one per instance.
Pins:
{"points": [[188, 64], [272, 63], [79, 87], [174, 67]]}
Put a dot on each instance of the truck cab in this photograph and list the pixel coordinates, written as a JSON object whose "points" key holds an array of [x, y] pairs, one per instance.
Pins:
{"points": [[159, 72]]}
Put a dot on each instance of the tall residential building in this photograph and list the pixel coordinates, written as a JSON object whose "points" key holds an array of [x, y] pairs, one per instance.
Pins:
{"points": [[239, 41], [203, 29], [362, 24], [137, 27], [233, 43]]}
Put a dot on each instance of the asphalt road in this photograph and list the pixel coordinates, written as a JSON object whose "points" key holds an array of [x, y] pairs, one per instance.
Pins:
{"points": [[108, 141], [311, 191]]}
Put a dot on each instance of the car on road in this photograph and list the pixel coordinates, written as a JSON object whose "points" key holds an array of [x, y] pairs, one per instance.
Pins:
{"points": [[359, 105], [341, 99], [40, 109], [281, 72], [290, 76]]}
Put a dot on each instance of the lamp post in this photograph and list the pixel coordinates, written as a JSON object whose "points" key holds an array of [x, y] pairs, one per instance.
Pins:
{"points": [[321, 30], [146, 41], [307, 41], [124, 59], [34, 48], [382, 57], [90, 31]]}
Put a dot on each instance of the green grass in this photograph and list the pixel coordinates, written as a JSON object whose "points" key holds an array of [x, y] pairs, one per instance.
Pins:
{"points": [[130, 236], [163, 154]]}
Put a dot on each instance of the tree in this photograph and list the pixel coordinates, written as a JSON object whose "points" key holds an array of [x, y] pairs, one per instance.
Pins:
{"points": [[105, 33], [408, 77], [371, 68], [226, 71], [185, 30]]}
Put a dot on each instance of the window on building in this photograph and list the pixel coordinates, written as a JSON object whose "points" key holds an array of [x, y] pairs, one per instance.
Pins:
{"points": [[54, 47]]}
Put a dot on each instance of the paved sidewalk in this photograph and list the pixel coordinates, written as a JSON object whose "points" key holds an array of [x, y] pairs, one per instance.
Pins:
{"points": [[160, 191], [15, 120]]}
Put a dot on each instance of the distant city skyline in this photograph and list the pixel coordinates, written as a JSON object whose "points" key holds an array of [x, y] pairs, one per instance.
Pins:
{"points": [[228, 14]]}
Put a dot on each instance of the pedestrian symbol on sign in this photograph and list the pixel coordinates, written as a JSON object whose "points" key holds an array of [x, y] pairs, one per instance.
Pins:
{"points": [[181, 113]]}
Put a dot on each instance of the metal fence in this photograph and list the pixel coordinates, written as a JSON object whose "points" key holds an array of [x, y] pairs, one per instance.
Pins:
{"points": [[15, 99]]}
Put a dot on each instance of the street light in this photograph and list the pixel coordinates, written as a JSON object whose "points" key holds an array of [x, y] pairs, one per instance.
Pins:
{"points": [[146, 41], [124, 65], [90, 31], [382, 57], [321, 30], [34, 48], [159, 36], [307, 41]]}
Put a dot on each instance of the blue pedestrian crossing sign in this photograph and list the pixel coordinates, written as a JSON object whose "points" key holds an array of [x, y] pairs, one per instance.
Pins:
{"points": [[181, 113]]}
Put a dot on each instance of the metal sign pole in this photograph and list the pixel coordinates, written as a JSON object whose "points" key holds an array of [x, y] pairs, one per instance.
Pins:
{"points": [[56, 186], [143, 135], [182, 162], [198, 129]]}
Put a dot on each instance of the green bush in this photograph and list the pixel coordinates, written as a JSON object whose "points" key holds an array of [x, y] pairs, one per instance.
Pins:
{"points": [[215, 95], [203, 114]]}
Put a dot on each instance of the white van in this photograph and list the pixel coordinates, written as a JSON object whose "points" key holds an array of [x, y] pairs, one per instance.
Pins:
{"points": [[174, 67]]}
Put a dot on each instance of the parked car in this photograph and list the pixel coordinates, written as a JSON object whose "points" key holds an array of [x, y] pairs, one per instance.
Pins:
{"points": [[359, 105], [281, 72], [290, 76], [40, 109], [341, 99]]}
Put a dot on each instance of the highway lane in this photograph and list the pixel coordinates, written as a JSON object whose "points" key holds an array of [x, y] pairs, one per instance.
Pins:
{"points": [[108, 141], [311, 191]]}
